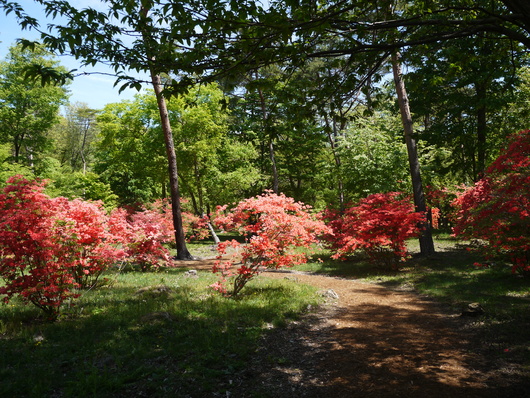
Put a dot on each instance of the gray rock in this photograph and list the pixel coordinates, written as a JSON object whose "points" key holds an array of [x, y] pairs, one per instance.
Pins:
{"points": [[329, 293]]}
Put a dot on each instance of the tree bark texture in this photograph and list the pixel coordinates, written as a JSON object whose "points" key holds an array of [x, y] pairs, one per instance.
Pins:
{"points": [[272, 156], [482, 126], [426, 242], [180, 237]]}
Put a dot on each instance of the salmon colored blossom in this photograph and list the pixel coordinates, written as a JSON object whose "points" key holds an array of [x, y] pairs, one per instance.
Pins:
{"points": [[273, 226]]}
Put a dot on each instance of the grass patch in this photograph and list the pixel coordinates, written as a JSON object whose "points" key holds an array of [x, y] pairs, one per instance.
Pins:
{"points": [[143, 334], [206, 248], [450, 277]]}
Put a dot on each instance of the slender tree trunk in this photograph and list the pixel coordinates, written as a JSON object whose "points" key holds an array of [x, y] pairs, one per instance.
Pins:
{"points": [[180, 238], [332, 134], [272, 156], [426, 242], [213, 234], [481, 131], [275, 179], [17, 147]]}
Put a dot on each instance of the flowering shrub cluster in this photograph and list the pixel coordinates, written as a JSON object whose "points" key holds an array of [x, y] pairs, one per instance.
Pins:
{"points": [[496, 209], [195, 227], [273, 227], [378, 225], [440, 202], [150, 229], [50, 247]]}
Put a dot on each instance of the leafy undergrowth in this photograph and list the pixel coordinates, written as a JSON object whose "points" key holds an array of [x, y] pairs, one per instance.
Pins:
{"points": [[450, 277], [143, 334]]}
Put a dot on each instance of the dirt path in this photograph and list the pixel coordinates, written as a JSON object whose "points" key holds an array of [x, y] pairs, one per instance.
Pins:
{"points": [[372, 342]]}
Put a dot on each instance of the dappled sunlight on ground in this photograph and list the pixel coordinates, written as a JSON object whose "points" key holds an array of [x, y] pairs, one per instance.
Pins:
{"points": [[376, 342]]}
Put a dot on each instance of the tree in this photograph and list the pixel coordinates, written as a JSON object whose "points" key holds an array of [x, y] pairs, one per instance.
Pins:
{"points": [[274, 111], [457, 90], [374, 157], [426, 242], [76, 135], [129, 153], [27, 109], [200, 126], [214, 169]]}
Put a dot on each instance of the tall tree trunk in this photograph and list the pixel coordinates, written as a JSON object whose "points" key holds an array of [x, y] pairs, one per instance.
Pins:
{"points": [[426, 242], [332, 134], [275, 179], [180, 237], [272, 156], [481, 130], [17, 147], [85, 130]]}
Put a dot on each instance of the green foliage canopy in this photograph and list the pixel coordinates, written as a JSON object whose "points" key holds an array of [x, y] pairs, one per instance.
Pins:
{"points": [[27, 108]]}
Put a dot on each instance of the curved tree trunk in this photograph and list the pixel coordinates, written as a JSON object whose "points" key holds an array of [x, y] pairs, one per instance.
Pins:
{"points": [[426, 242]]}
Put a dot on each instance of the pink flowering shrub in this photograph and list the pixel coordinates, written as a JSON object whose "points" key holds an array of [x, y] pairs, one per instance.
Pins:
{"points": [[51, 247], [150, 230], [273, 227]]}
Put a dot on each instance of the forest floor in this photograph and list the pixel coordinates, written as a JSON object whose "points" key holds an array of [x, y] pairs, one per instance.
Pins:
{"points": [[371, 341]]}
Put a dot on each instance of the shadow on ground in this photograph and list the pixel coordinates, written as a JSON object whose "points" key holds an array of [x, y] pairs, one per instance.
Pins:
{"points": [[380, 343]]}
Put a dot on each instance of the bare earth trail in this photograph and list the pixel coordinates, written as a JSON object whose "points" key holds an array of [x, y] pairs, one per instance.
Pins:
{"points": [[371, 342]]}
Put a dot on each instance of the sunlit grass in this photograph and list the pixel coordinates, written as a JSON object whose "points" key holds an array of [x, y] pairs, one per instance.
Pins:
{"points": [[143, 334]]}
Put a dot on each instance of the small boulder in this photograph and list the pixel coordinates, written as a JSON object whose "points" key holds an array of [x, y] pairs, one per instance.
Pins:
{"points": [[329, 293], [473, 309], [192, 273]]}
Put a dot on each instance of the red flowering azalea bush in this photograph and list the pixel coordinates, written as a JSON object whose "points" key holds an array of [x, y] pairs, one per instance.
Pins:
{"points": [[149, 231], [496, 210], [378, 225], [91, 246], [440, 202], [273, 227], [195, 227], [51, 247]]}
